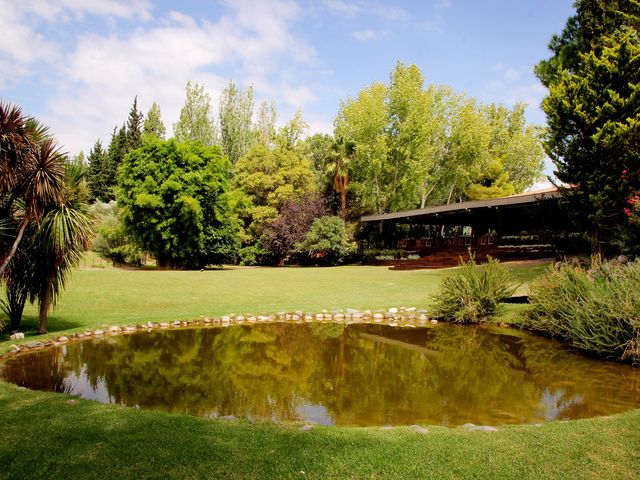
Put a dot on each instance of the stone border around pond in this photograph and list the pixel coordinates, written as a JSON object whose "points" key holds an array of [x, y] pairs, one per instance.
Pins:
{"points": [[394, 317]]}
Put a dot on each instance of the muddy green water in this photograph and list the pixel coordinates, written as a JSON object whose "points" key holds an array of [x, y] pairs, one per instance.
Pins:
{"points": [[330, 373]]}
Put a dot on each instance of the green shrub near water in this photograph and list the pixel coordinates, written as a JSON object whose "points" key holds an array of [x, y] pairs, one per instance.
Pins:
{"points": [[595, 310], [474, 292]]}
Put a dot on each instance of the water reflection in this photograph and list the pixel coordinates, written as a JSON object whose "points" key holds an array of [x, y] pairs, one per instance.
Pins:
{"points": [[328, 373]]}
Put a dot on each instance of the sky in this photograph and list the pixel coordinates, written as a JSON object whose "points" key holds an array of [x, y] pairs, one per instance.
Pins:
{"points": [[77, 64]]}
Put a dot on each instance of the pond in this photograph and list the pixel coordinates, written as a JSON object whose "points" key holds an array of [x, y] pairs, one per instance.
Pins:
{"points": [[337, 374]]}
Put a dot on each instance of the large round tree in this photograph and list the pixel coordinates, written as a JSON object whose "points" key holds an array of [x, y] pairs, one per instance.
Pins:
{"points": [[174, 203]]}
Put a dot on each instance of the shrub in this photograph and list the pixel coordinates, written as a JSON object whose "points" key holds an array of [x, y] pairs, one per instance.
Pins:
{"points": [[595, 310], [253, 255], [327, 241], [474, 292]]}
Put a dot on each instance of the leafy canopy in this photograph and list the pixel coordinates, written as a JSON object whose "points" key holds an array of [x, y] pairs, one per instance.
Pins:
{"points": [[174, 203]]}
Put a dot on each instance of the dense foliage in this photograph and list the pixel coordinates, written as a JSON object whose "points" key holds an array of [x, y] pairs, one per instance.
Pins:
{"points": [[418, 146], [292, 226], [596, 310], [174, 203], [473, 293], [593, 116], [327, 242]]}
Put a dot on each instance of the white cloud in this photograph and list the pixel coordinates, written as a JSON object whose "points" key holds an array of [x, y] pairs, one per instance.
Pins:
{"points": [[368, 34], [362, 7], [98, 76], [347, 9], [55, 10], [437, 21]]}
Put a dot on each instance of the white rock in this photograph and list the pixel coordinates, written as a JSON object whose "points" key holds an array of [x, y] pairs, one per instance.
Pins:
{"points": [[98, 332], [393, 310], [17, 336], [419, 429], [226, 318], [434, 321]]}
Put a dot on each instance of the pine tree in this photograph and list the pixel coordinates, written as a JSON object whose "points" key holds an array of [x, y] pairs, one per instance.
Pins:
{"points": [[134, 128], [594, 128], [96, 175]]}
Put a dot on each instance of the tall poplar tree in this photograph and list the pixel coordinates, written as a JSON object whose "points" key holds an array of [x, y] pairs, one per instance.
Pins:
{"points": [[196, 121], [236, 110]]}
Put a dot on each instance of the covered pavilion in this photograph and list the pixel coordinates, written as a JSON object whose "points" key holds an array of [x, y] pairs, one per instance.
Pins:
{"points": [[524, 226]]}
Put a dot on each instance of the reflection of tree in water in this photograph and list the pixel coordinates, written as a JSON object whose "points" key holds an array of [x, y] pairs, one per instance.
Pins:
{"points": [[358, 374], [42, 370], [577, 386]]}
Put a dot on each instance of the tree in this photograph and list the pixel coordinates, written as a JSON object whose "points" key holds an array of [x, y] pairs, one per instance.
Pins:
{"points": [[292, 225], [134, 127], [594, 132], [98, 173], [174, 203], [326, 241], [59, 242], [236, 110], [342, 154], [292, 132], [153, 125], [270, 178], [594, 19], [31, 175], [364, 120], [418, 145], [265, 127], [196, 121]]}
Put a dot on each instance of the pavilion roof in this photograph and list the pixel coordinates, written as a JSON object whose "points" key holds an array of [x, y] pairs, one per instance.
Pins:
{"points": [[454, 209]]}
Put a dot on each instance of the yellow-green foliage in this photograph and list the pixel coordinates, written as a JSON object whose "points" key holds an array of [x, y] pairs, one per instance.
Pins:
{"points": [[474, 292], [596, 310]]}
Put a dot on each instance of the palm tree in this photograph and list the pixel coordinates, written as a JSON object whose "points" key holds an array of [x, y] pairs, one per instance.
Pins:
{"points": [[31, 174], [60, 240], [342, 153]]}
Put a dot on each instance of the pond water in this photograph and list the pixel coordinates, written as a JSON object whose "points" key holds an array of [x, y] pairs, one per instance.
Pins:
{"points": [[333, 373]]}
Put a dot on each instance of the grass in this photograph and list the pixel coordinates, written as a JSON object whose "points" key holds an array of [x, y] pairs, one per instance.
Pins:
{"points": [[47, 435], [106, 296]]}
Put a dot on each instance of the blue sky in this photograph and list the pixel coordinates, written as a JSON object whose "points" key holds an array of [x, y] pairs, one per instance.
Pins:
{"points": [[77, 64]]}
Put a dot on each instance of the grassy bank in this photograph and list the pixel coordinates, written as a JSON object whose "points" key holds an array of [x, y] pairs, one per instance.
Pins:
{"points": [[45, 435], [105, 296]]}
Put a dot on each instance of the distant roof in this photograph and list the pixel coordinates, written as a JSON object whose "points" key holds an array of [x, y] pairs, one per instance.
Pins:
{"points": [[521, 199]]}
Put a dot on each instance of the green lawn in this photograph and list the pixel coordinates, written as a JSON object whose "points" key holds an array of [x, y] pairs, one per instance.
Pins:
{"points": [[108, 296], [46, 435]]}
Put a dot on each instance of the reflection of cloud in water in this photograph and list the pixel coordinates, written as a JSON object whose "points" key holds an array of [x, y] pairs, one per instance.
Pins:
{"points": [[80, 386], [315, 414], [555, 405]]}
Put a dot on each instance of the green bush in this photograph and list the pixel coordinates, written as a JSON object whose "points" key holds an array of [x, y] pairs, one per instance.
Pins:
{"points": [[473, 292], [595, 310], [327, 241]]}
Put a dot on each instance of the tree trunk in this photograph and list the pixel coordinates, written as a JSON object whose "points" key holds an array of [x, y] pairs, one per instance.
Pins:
{"points": [[16, 242], [45, 302], [343, 205]]}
